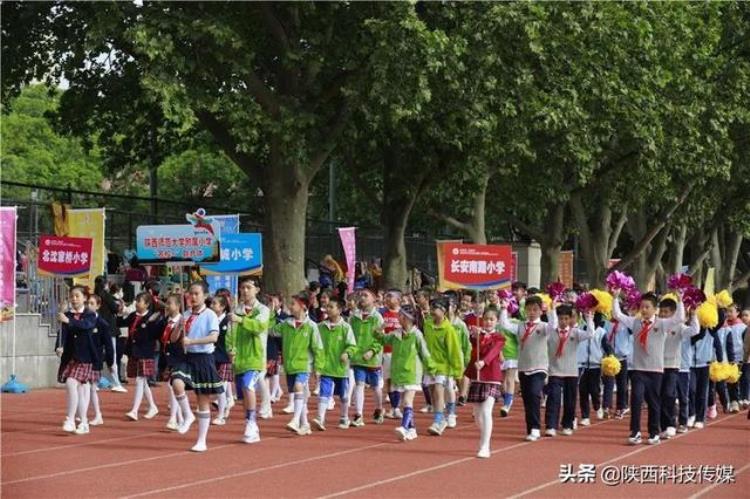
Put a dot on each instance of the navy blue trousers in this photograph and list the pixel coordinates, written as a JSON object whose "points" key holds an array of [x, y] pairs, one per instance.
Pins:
{"points": [[646, 386], [668, 397], [698, 393], [532, 386], [588, 387], [561, 389]]}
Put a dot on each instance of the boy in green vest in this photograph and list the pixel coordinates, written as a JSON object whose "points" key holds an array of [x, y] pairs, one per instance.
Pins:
{"points": [[367, 361], [339, 345]]}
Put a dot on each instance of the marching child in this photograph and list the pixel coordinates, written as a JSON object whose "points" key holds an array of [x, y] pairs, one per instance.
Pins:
{"points": [[510, 370], [77, 355], [731, 335], [143, 332], [201, 333], [648, 362], [447, 362], [672, 360], [246, 344], [221, 307], [465, 341], [703, 353], [409, 356], [338, 345], [174, 355], [563, 370], [390, 316], [533, 358], [590, 353], [300, 341], [366, 363], [621, 341], [105, 352], [486, 376]]}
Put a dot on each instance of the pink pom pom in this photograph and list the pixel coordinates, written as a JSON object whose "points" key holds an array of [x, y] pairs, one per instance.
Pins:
{"points": [[633, 298], [505, 294], [555, 290], [620, 280], [512, 306], [586, 302], [679, 281], [692, 297]]}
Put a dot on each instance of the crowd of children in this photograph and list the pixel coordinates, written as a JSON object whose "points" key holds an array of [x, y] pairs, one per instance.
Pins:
{"points": [[454, 348]]}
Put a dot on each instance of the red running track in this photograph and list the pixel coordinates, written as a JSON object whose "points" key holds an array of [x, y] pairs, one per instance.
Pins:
{"points": [[137, 459]]}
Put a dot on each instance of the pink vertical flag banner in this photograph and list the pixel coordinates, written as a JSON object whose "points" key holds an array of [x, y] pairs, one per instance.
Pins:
{"points": [[348, 241], [7, 262]]}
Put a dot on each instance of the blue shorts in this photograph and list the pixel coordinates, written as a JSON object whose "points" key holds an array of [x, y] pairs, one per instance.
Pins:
{"points": [[369, 375], [246, 381], [293, 379], [330, 386]]}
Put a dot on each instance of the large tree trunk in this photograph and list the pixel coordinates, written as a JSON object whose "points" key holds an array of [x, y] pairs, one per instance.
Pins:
{"points": [[475, 227], [395, 271], [552, 243], [594, 238], [285, 198]]}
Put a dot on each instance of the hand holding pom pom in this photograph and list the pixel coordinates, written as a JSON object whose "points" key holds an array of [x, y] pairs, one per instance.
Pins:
{"points": [[679, 281], [586, 302], [555, 290], [620, 281]]}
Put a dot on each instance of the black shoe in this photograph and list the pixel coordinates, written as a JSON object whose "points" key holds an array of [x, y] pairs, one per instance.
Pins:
{"points": [[124, 381], [461, 401]]}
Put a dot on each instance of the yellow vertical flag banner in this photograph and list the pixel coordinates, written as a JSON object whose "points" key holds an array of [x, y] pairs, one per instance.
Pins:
{"points": [[708, 286], [441, 284], [89, 222]]}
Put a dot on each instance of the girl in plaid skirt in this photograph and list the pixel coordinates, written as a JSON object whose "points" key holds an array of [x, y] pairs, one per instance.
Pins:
{"points": [[140, 347], [221, 307], [485, 375], [77, 356], [173, 354]]}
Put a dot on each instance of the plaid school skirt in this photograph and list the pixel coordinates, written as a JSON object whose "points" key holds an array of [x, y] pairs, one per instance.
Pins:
{"points": [[479, 392], [83, 372], [272, 367], [225, 371], [143, 368]]}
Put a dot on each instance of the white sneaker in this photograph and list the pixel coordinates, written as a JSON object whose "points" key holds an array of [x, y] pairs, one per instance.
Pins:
{"points": [[69, 425], [551, 432], [412, 435], [426, 409], [671, 431], [402, 433], [133, 416], [451, 421], [691, 422], [253, 437], [358, 421], [119, 389], [734, 407], [699, 425], [98, 420], [654, 440], [293, 426], [437, 428], [397, 413], [289, 409], [304, 430], [82, 429], [484, 453], [389, 414], [533, 436], [172, 425], [266, 413], [567, 432], [319, 425], [199, 447], [682, 429], [635, 439], [600, 413], [585, 422], [152, 412], [186, 424], [219, 421], [344, 424]]}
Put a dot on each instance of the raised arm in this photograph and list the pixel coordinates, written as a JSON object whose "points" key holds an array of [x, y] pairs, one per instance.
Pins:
{"points": [[677, 319], [624, 319]]}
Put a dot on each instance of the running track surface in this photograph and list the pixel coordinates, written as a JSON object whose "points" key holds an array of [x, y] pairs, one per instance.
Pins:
{"points": [[140, 459]]}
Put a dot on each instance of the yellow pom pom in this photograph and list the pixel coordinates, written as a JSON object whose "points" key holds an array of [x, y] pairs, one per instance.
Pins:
{"points": [[724, 299], [732, 373], [712, 300], [604, 301], [610, 366], [708, 314], [546, 300], [716, 372]]}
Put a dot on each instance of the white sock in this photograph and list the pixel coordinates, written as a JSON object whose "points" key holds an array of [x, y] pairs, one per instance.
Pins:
{"points": [[299, 406], [204, 421], [228, 391], [478, 415], [184, 405], [378, 398], [95, 400], [71, 386], [352, 385], [149, 394], [113, 371], [265, 395], [275, 386], [174, 406], [139, 382], [322, 408], [359, 399], [84, 393], [344, 407], [222, 402], [486, 421]]}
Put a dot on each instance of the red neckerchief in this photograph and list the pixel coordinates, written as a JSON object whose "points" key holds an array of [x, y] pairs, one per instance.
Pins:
{"points": [[167, 334], [731, 322], [564, 333], [615, 325], [190, 320], [297, 323], [134, 324], [529, 328], [643, 334]]}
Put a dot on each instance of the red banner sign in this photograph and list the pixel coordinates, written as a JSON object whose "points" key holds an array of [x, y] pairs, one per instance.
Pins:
{"points": [[64, 256], [475, 266]]}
